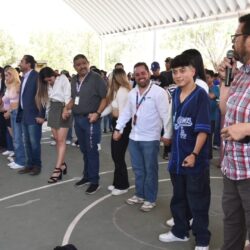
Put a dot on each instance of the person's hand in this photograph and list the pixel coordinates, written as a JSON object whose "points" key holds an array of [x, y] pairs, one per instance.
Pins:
{"points": [[93, 117], [117, 135], [66, 114], [224, 64], [235, 132], [6, 115], [189, 161], [167, 142], [39, 120]]}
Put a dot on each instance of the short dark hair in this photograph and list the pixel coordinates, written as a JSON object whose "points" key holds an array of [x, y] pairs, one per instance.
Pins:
{"points": [[80, 56], [182, 60], [139, 64], [246, 23], [209, 72], [31, 60]]}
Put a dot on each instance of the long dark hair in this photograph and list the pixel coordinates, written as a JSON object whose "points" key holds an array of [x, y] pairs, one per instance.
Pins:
{"points": [[198, 63], [42, 89]]}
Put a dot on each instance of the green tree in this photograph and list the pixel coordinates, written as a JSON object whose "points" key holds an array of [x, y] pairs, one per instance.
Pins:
{"points": [[7, 49], [211, 39]]}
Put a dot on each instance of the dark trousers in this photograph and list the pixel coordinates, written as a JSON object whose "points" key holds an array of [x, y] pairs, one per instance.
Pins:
{"points": [[236, 208], [191, 192], [3, 129], [88, 135], [118, 151]]}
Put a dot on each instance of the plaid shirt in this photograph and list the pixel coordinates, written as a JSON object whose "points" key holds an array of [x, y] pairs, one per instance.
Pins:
{"points": [[236, 160]]}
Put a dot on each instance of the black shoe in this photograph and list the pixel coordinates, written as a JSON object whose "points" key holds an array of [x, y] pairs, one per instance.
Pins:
{"points": [[165, 156], [92, 188], [82, 182], [35, 171], [56, 176]]}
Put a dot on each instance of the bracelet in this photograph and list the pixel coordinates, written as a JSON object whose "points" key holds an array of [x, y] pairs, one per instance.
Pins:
{"points": [[118, 130], [195, 155], [98, 113]]}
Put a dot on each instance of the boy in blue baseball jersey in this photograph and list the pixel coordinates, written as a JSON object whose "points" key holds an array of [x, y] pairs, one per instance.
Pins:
{"points": [[189, 163]]}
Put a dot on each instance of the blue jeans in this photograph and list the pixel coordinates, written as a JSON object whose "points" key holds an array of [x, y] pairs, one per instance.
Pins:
{"points": [[32, 134], [88, 135], [69, 135], [144, 159], [9, 141], [191, 193], [17, 139]]}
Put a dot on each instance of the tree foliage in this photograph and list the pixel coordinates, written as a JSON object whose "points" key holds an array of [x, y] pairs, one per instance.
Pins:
{"points": [[7, 49], [211, 39]]}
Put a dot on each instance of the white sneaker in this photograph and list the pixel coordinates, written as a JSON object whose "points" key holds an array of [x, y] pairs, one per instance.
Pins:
{"points": [[201, 248], [11, 164], [119, 191], [16, 166], [68, 142], [134, 200], [111, 187], [170, 222], [10, 159], [53, 143], [170, 237], [99, 147], [11, 154], [6, 152], [147, 206]]}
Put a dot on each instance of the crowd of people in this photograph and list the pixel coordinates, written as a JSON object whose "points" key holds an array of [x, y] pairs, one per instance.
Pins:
{"points": [[187, 107]]}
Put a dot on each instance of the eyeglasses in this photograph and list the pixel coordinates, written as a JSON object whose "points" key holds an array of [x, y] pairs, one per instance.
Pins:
{"points": [[233, 37]]}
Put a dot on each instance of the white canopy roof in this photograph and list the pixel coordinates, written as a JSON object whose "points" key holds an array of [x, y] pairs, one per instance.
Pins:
{"points": [[116, 16]]}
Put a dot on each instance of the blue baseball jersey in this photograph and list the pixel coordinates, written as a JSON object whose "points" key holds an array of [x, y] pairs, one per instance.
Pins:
{"points": [[189, 118]]}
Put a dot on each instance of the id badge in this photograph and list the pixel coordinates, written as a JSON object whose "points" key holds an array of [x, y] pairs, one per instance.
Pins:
{"points": [[77, 99]]}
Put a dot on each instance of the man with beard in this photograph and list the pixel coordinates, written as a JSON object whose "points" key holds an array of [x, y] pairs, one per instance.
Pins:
{"points": [[88, 100], [149, 108], [235, 104]]}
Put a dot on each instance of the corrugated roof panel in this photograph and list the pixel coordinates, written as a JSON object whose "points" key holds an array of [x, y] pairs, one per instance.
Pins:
{"points": [[116, 16]]}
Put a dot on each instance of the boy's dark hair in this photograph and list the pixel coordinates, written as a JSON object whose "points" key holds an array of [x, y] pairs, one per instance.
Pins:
{"points": [[246, 24], [198, 63], [80, 56], [139, 64], [182, 60], [31, 60], [209, 72]]}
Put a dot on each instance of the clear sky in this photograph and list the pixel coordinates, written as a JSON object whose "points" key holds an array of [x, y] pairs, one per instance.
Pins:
{"points": [[20, 17]]}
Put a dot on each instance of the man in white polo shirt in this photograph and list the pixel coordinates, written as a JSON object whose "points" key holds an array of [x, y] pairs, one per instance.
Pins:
{"points": [[149, 107]]}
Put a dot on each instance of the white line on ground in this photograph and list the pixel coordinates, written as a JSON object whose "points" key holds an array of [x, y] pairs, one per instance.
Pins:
{"points": [[130, 235], [53, 185], [72, 225], [35, 189], [24, 204]]}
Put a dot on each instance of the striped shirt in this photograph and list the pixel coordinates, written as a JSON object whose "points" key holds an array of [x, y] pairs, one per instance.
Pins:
{"points": [[236, 159]]}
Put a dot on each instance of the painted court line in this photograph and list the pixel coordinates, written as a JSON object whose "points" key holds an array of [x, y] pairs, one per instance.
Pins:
{"points": [[24, 204], [73, 224]]}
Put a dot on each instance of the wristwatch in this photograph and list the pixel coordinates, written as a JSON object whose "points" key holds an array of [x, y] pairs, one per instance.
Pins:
{"points": [[195, 155]]}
